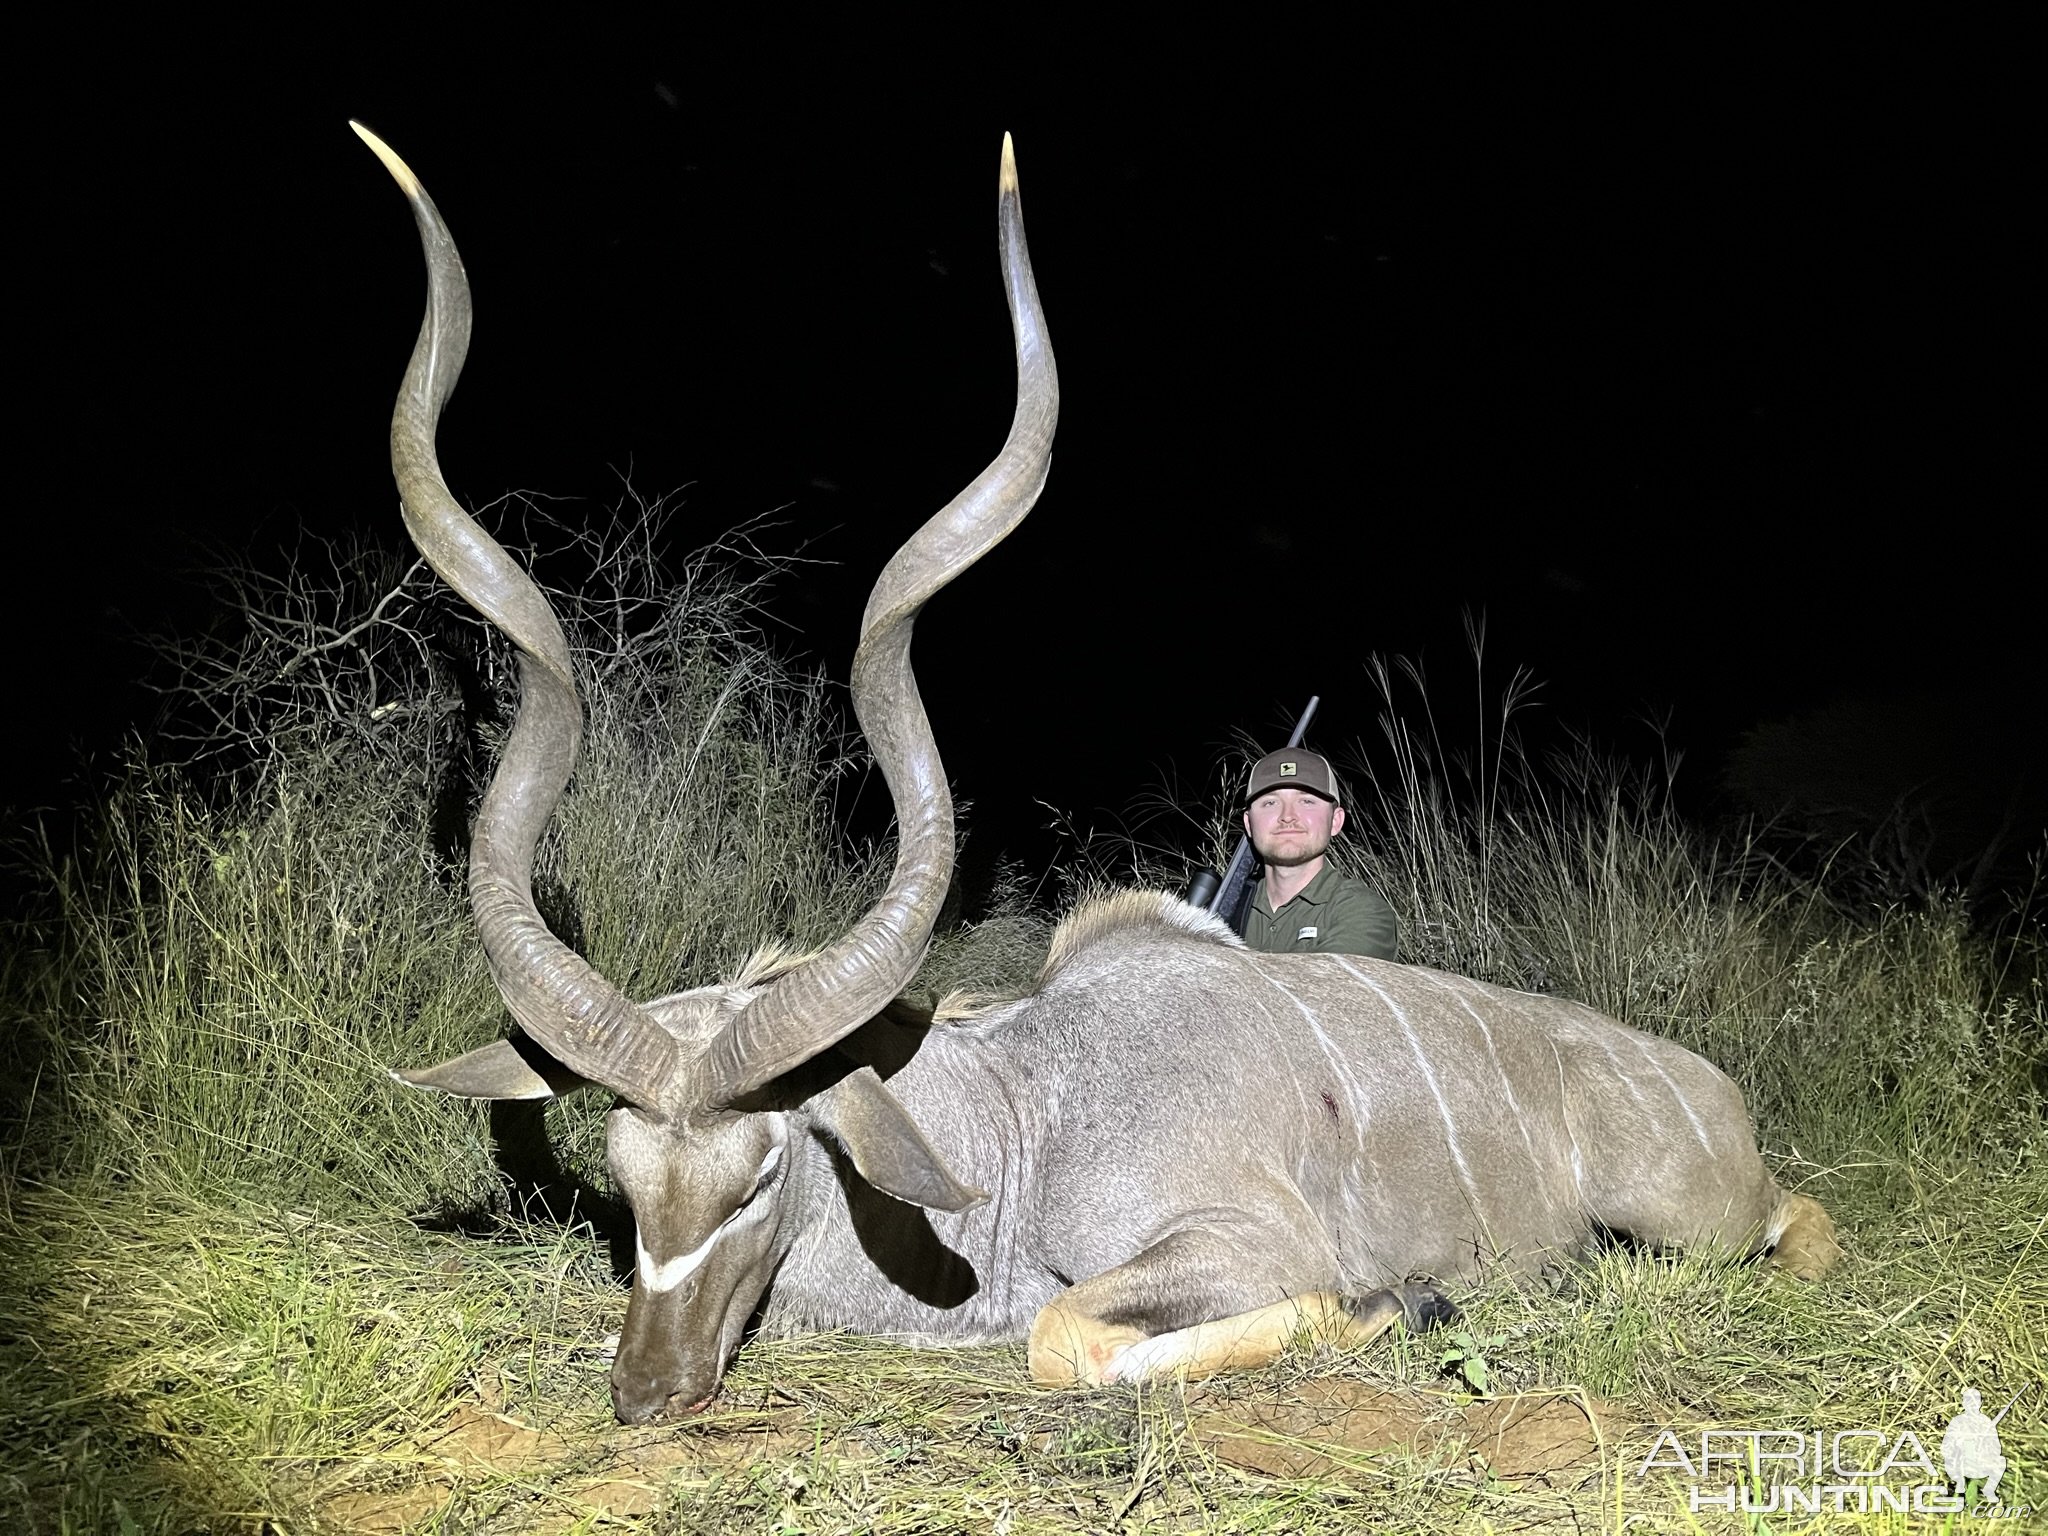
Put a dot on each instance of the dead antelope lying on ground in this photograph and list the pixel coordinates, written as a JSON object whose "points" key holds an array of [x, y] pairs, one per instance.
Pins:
{"points": [[1170, 1156]]}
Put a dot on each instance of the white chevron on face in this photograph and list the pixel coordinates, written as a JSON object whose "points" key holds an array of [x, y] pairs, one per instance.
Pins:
{"points": [[667, 1274]]}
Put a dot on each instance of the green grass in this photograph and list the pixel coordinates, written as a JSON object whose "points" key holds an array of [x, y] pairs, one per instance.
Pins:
{"points": [[251, 1286], [211, 1365]]}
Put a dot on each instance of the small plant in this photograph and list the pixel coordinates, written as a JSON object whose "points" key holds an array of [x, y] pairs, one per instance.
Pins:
{"points": [[1464, 1356]]}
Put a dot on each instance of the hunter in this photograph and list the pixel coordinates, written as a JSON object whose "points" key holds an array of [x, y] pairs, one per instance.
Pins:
{"points": [[1292, 809]]}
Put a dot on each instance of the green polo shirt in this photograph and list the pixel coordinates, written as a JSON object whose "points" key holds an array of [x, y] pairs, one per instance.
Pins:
{"points": [[1331, 915]]}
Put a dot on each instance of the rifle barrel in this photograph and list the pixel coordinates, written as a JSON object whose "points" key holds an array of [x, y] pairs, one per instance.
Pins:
{"points": [[1236, 875]]}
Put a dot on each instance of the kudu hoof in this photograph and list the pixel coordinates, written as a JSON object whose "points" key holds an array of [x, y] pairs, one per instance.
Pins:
{"points": [[1807, 1248], [1418, 1305]]}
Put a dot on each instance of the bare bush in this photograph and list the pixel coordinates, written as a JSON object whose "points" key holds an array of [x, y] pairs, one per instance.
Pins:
{"points": [[270, 906], [341, 639]]}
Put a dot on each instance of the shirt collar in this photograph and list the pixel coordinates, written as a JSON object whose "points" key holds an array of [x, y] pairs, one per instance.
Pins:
{"points": [[1319, 890]]}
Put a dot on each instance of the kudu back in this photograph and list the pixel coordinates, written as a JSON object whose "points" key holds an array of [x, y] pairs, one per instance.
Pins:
{"points": [[1172, 1155]]}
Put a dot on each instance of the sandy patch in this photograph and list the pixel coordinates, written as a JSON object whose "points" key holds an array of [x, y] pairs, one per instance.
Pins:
{"points": [[1324, 1428]]}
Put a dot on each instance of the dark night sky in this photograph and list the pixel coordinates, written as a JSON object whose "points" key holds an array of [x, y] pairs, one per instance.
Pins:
{"points": [[1698, 370]]}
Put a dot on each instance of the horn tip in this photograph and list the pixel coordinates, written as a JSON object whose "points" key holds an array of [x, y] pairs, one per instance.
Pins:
{"points": [[1009, 176], [400, 171]]}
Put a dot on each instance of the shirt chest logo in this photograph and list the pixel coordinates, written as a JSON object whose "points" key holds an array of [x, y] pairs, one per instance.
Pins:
{"points": [[1305, 933]]}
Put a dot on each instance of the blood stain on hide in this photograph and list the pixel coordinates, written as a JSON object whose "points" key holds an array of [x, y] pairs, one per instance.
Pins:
{"points": [[1329, 1104]]}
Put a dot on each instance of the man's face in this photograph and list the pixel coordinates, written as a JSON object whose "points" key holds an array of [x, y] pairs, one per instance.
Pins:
{"points": [[1292, 826]]}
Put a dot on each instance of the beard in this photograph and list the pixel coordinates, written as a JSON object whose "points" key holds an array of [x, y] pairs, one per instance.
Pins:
{"points": [[1290, 853]]}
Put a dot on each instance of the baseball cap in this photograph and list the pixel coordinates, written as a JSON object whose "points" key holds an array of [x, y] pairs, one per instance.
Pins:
{"points": [[1293, 768]]}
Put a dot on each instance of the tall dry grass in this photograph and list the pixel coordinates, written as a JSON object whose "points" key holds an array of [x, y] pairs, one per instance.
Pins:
{"points": [[247, 936], [1848, 1024]]}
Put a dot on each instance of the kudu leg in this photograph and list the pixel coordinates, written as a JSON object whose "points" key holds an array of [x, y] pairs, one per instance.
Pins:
{"points": [[1131, 1322], [1793, 1229], [1717, 1194]]}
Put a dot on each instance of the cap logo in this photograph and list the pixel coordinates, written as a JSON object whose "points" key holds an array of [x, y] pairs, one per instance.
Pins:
{"points": [[1288, 770]]}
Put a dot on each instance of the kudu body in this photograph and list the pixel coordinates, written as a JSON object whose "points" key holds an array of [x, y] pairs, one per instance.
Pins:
{"points": [[1171, 1155]]}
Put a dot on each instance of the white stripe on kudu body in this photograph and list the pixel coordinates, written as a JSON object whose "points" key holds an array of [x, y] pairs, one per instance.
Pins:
{"points": [[1564, 1115], [1692, 1119], [1436, 1091], [1507, 1084], [1338, 1066]]}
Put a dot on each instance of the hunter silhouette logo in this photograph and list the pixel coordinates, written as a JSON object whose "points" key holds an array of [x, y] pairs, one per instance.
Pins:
{"points": [[1970, 1448]]}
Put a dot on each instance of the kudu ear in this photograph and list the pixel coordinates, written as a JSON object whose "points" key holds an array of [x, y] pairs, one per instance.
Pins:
{"points": [[887, 1148], [504, 1069]]}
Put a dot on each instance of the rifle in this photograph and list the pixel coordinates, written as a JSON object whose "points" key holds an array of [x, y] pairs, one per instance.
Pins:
{"points": [[1230, 896]]}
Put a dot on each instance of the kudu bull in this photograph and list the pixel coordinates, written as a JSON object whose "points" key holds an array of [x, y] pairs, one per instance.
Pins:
{"points": [[1172, 1155]]}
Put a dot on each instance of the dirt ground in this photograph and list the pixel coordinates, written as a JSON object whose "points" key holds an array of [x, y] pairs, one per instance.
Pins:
{"points": [[1326, 1429]]}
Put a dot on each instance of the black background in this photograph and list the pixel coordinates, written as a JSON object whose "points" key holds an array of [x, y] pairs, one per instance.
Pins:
{"points": [[1701, 362]]}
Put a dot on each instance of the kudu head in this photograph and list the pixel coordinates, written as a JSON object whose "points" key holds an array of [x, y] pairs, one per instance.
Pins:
{"points": [[716, 1110]]}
